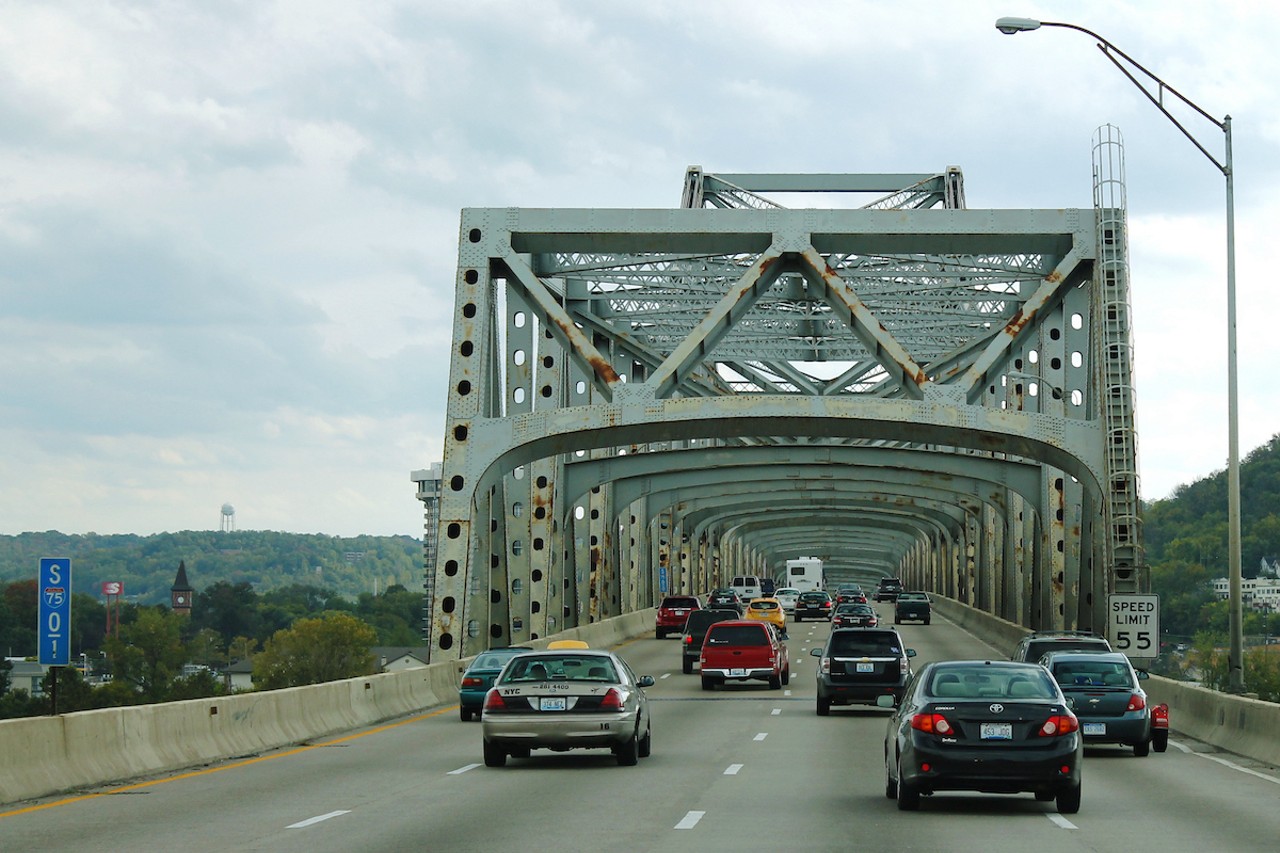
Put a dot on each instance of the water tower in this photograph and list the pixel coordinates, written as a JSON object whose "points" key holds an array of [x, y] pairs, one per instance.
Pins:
{"points": [[228, 518]]}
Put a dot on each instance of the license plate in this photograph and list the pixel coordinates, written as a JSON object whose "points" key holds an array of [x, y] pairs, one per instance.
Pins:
{"points": [[738, 672], [997, 731], [552, 703], [865, 667], [1095, 728]]}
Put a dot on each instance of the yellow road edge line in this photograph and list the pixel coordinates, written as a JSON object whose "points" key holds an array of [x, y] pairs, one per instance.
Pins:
{"points": [[206, 771]]}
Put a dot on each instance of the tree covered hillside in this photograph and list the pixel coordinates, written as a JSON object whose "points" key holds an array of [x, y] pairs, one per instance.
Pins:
{"points": [[146, 565], [1191, 525]]}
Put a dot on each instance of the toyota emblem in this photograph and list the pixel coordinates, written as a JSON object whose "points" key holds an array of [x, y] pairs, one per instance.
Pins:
{"points": [[997, 708]]}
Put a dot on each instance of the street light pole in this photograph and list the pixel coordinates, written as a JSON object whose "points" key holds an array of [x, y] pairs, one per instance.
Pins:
{"points": [[1235, 656]]}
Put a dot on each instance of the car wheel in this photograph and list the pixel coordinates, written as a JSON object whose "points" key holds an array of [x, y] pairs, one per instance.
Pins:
{"points": [[629, 752], [1160, 741], [658, 633], [465, 714], [523, 752], [775, 682], [494, 755], [897, 621], [707, 683], [824, 706], [1069, 800], [926, 620], [1142, 749], [908, 794], [687, 666], [786, 676], [799, 618], [890, 784], [646, 743]]}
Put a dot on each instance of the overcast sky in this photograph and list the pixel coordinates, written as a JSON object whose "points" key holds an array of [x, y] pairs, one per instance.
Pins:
{"points": [[228, 230]]}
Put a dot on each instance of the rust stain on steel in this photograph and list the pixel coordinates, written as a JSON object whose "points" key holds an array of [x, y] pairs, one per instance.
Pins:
{"points": [[602, 367]]}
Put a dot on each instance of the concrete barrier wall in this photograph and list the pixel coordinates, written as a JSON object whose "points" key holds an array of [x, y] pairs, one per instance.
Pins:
{"points": [[1244, 726], [46, 755]]}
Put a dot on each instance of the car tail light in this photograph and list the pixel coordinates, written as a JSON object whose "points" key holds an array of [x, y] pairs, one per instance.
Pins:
{"points": [[1058, 725], [472, 681], [494, 701], [1137, 702], [825, 665], [688, 639], [612, 700], [933, 724]]}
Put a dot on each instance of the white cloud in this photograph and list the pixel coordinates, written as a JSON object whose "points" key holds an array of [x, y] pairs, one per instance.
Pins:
{"points": [[229, 231]]}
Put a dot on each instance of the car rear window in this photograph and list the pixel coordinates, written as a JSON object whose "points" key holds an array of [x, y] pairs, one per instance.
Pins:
{"points": [[737, 635], [813, 596], [560, 668], [1092, 674], [764, 605], [674, 601], [865, 644], [1037, 648], [912, 596], [984, 682]]}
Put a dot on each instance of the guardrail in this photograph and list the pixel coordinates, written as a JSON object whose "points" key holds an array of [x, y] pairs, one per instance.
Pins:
{"points": [[40, 756], [1234, 723]]}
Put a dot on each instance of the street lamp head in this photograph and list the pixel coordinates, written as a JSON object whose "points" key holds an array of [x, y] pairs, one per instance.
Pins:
{"points": [[1009, 26]]}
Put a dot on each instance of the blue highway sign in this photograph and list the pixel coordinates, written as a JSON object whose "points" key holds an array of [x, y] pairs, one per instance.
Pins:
{"points": [[54, 629]]}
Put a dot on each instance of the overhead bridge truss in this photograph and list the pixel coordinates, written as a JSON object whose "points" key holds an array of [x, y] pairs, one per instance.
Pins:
{"points": [[645, 401]]}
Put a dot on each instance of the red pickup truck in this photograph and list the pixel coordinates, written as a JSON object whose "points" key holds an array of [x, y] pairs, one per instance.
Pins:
{"points": [[739, 650]]}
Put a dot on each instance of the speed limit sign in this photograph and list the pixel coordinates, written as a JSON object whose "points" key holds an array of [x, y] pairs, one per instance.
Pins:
{"points": [[1133, 623]]}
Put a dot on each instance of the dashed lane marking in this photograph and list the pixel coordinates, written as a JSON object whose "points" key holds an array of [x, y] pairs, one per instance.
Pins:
{"points": [[314, 820], [732, 769], [1061, 821], [462, 770], [761, 736], [690, 820]]}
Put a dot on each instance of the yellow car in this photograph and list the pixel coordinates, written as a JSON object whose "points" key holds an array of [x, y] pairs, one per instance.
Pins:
{"points": [[568, 644], [768, 610]]}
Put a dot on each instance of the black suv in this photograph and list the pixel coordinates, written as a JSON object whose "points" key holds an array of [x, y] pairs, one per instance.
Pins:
{"points": [[1035, 645], [859, 665], [888, 589], [695, 631], [812, 604]]}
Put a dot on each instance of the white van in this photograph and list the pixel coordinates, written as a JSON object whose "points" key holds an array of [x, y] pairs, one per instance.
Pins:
{"points": [[746, 586]]}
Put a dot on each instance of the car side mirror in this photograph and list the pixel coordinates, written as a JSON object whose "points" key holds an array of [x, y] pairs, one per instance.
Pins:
{"points": [[1071, 703], [911, 653], [645, 681], [886, 700], [817, 653], [1143, 675]]}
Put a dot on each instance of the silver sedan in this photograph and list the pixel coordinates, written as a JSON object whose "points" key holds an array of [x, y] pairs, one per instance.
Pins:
{"points": [[567, 699]]}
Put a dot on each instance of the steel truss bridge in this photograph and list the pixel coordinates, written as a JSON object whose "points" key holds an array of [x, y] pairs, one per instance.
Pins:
{"points": [[653, 400]]}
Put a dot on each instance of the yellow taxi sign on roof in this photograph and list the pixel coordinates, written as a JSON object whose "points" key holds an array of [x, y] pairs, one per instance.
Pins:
{"points": [[568, 644]]}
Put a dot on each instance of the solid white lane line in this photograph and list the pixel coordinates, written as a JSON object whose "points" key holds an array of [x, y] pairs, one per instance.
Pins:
{"points": [[776, 711], [309, 821], [732, 769], [1061, 821], [761, 736], [1235, 766], [462, 769], [690, 820], [665, 675]]}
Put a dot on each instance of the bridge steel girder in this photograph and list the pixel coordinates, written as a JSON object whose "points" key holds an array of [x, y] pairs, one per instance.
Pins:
{"points": [[593, 347]]}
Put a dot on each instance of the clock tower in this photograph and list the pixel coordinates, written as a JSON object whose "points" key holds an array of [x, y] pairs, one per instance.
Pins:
{"points": [[180, 593]]}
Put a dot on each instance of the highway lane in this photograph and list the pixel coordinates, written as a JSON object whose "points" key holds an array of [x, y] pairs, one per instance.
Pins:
{"points": [[746, 768]]}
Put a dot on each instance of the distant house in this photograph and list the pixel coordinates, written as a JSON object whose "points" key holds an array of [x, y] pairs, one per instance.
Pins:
{"points": [[238, 675], [400, 658], [27, 675]]}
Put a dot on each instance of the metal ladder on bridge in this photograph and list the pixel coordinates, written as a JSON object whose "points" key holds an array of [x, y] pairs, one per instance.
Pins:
{"points": [[1115, 372]]}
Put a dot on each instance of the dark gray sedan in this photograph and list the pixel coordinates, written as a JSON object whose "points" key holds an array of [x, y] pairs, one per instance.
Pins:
{"points": [[1104, 692], [567, 699]]}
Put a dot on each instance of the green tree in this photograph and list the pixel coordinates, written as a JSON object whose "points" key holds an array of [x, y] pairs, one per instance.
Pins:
{"points": [[313, 651], [149, 652]]}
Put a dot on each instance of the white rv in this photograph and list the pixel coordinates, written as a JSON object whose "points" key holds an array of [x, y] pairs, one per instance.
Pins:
{"points": [[805, 574]]}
